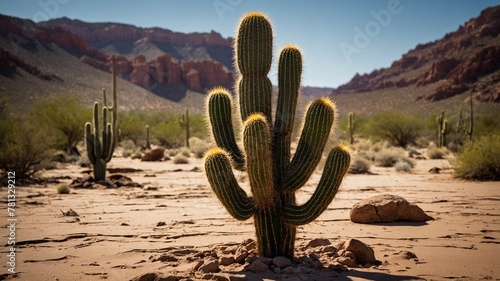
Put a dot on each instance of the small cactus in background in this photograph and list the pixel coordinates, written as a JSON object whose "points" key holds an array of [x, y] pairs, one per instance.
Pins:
{"points": [[184, 123], [101, 142], [351, 128], [148, 142], [471, 120], [444, 133], [440, 120], [273, 174]]}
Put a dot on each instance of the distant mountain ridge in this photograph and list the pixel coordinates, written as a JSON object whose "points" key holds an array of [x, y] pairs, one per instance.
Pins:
{"points": [[467, 59]]}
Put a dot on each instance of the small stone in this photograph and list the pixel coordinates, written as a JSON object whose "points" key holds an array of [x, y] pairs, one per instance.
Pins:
{"points": [[266, 261], [218, 277], [319, 242], [210, 266], [329, 249], [282, 262], [317, 265], [408, 255], [249, 244], [237, 277], [364, 253], [338, 267], [198, 265], [346, 261], [225, 261], [277, 270], [289, 270], [257, 266], [349, 254], [240, 255], [165, 258]]}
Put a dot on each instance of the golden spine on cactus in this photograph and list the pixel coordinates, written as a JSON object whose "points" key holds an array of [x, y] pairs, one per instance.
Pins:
{"points": [[101, 143], [273, 174]]}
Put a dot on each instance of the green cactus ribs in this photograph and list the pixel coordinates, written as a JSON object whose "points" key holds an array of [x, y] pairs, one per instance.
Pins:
{"points": [[101, 143], [274, 175]]}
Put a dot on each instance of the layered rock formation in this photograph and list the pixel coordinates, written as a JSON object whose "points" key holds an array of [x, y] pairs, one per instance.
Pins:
{"points": [[467, 59]]}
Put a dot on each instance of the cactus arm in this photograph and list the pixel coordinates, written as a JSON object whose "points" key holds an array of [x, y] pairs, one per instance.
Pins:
{"points": [[97, 141], [89, 137], [219, 116], [254, 50], [316, 130], [109, 148], [257, 143], [223, 183], [289, 74], [336, 166]]}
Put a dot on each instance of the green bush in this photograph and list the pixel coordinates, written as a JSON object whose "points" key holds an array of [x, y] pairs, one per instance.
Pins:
{"points": [[434, 152], [64, 118], [62, 188], [479, 160], [396, 127], [24, 147]]}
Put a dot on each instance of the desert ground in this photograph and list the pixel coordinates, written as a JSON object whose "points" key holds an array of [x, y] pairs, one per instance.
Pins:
{"points": [[171, 224]]}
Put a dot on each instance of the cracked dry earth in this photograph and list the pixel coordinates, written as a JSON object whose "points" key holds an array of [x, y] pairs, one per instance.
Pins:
{"points": [[173, 228]]}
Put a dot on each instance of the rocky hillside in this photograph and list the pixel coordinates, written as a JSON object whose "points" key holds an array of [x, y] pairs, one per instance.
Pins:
{"points": [[467, 59], [155, 56]]}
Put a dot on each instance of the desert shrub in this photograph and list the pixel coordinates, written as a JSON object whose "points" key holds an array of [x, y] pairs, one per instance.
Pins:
{"points": [[403, 166], [479, 160], [360, 165], [168, 134], [390, 156], [396, 127], [185, 152], [24, 147], [64, 118], [62, 188], [434, 152], [181, 159], [198, 147], [132, 126]]}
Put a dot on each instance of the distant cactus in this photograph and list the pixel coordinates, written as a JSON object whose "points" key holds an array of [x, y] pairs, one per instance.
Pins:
{"points": [[184, 123], [351, 128], [148, 142], [274, 177], [471, 120], [444, 133], [101, 142], [440, 120]]}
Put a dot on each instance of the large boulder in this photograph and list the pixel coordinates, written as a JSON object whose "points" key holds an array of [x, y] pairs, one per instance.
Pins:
{"points": [[387, 208]]}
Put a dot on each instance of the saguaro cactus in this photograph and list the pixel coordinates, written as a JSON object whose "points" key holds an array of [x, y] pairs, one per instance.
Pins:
{"points": [[350, 126], [148, 142], [184, 123], [440, 120], [274, 177], [101, 142]]}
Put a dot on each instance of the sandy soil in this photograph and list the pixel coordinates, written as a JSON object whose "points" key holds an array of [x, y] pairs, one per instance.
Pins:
{"points": [[119, 232]]}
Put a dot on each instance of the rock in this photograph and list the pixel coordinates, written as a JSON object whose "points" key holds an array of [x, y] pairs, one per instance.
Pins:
{"points": [[257, 266], [364, 253], [387, 208], [347, 261], [329, 249], [338, 267], [165, 258], [237, 277], [282, 262], [118, 180], [435, 170], [218, 277], [249, 244], [240, 255], [155, 277], [318, 242], [288, 270], [226, 261], [154, 155], [407, 255], [209, 266]]}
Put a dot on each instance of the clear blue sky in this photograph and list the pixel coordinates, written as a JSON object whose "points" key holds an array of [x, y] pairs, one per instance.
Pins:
{"points": [[328, 32]]}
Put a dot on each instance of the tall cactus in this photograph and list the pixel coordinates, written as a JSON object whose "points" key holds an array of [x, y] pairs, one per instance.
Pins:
{"points": [[148, 142], [101, 142], [440, 120], [274, 177], [471, 120], [350, 126], [184, 123]]}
